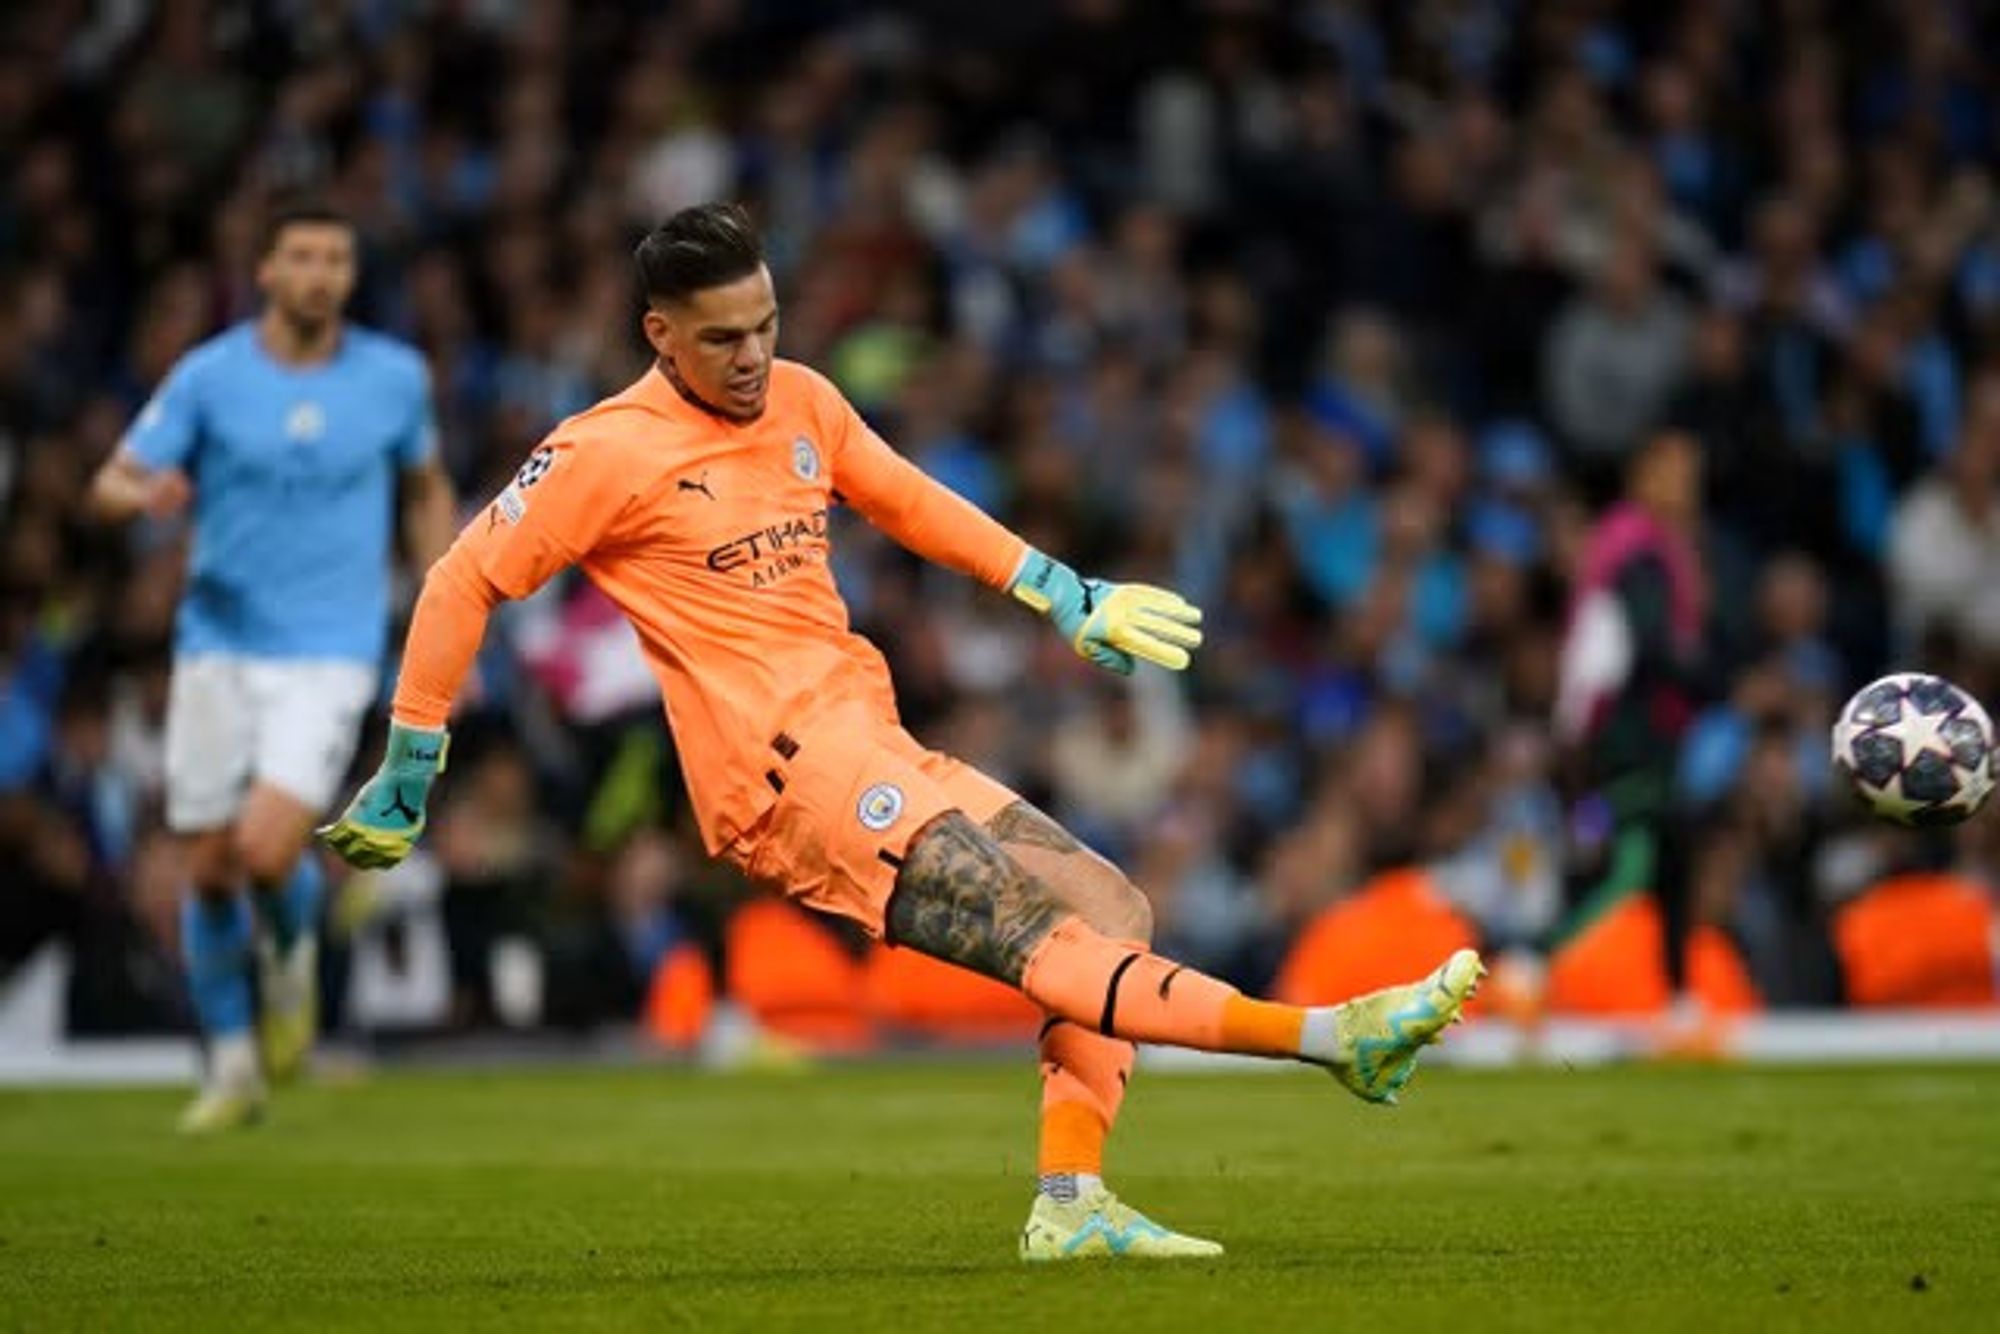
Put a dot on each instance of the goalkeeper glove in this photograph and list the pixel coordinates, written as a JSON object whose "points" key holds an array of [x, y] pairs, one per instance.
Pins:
{"points": [[1110, 624], [386, 817]]}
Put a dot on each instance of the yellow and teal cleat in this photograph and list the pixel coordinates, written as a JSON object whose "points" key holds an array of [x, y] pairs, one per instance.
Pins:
{"points": [[1380, 1035], [1100, 1226], [288, 1019], [220, 1109]]}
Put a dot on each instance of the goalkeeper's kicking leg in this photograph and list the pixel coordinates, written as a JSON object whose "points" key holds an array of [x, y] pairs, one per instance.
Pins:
{"points": [[966, 896]]}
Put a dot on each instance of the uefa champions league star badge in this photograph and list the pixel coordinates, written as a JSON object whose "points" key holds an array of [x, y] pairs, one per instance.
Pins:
{"points": [[536, 468], [805, 459]]}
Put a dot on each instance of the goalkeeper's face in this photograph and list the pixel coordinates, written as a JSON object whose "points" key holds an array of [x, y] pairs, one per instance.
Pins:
{"points": [[309, 273], [719, 342]]}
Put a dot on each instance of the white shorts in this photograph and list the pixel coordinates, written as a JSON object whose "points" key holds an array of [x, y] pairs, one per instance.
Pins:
{"points": [[232, 721]]}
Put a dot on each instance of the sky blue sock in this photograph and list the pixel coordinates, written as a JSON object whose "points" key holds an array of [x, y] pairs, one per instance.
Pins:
{"points": [[215, 941], [293, 909]]}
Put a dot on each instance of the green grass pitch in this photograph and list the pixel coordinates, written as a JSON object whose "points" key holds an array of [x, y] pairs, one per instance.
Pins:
{"points": [[888, 1198]]}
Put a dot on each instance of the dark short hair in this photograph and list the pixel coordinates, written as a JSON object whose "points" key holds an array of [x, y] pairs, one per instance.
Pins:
{"points": [[300, 213], [697, 248]]}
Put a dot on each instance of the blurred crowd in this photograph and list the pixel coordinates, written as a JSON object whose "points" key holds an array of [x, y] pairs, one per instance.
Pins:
{"points": [[1339, 316]]}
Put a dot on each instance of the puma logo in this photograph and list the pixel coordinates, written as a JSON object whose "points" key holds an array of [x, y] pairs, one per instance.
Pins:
{"points": [[702, 486]]}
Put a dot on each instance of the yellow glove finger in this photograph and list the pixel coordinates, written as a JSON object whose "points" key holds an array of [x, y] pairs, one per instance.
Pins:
{"points": [[1143, 621], [349, 849], [386, 850], [1161, 601], [1174, 631], [372, 856], [364, 848], [1147, 638], [1170, 656], [1134, 638], [1155, 624]]}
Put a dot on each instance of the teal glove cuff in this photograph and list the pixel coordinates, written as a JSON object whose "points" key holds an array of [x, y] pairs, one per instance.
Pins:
{"points": [[411, 762], [1068, 600], [415, 752], [1051, 588]]}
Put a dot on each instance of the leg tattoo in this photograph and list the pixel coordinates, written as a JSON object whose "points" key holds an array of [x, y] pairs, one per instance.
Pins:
{"points": [[1022, 823], [961, 898], [1081, 880]]}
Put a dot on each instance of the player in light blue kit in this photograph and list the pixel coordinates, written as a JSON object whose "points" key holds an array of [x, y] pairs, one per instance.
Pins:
{"points": [[289, 434]]}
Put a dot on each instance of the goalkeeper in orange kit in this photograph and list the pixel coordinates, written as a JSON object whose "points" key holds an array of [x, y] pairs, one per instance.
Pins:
{"points": [[697, 500]]}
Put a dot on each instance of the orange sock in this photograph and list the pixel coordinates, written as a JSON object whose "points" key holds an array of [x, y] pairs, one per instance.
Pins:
{"points": [[1262, 1028], [1083, 1083], [1127, 992]]}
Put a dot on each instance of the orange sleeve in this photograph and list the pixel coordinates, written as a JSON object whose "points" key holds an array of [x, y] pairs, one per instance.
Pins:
{"points": [[924, 515], [445, 633], [559, 506]]}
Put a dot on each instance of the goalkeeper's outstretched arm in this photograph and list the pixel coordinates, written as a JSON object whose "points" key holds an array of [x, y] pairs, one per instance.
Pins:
{"points": [[1111, 625], [446, 630], [385, 819], [921, 513], [508, 551]]}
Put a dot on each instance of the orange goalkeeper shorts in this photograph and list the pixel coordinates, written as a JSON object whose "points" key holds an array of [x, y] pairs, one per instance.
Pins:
{"points": [[853, 789]]}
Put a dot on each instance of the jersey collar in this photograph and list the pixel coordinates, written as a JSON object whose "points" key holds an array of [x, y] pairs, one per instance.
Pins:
{"points": [[660, 393]]}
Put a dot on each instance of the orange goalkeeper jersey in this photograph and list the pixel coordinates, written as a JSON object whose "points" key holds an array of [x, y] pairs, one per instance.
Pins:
{"points": [[711, 536]]}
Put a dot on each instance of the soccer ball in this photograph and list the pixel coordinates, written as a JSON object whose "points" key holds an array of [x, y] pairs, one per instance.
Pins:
{"points": [[1917, 749]]}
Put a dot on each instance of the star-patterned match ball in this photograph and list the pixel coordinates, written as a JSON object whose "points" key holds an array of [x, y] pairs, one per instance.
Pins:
{"points": [[1918, 750]]}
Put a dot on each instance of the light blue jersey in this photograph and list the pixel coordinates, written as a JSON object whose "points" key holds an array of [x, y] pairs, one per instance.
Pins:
{"points": [[294, 472]]}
